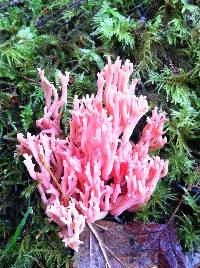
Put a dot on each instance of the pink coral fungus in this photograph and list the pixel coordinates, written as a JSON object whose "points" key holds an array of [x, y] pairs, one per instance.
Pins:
{"points": [[96, 170]]}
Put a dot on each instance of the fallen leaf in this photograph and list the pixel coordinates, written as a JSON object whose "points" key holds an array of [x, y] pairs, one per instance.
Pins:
{"points": [[112, 245], [192, 259]]}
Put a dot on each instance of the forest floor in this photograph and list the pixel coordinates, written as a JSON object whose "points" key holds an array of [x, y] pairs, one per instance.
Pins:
{"points": [[161, 38]]}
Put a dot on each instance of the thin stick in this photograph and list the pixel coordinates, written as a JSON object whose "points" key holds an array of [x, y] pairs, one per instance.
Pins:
{"points": [[175, 211], [52, 175]]}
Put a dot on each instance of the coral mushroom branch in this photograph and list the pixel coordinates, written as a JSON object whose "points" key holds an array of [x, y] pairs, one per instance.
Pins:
{"points": [[96, 170]]}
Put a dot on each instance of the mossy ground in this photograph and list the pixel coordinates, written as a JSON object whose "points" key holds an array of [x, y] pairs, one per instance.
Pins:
{"points": [[161, 38]]}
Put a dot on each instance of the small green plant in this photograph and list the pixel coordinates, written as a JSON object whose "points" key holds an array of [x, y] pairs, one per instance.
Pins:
{"points": [[111, 26]]}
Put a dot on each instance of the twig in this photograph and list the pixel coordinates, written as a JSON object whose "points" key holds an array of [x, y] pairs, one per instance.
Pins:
{"points": [[189, 187], [178, 206], [30, 79], [41, 22], [52, 175], [175, 211], [59, 26]]}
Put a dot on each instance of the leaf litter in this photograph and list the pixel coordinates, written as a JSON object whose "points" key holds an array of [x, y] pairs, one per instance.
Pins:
{"points": [[113, 245]]}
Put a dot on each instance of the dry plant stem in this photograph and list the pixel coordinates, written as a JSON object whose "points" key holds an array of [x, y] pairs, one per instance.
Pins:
{"points": [[31, 80], [52, 175], [175, 211], [189, 187], [42, 21]]}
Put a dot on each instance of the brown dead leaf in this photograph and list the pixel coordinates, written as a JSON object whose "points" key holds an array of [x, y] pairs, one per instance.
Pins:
{"points": [[135, 245]]}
